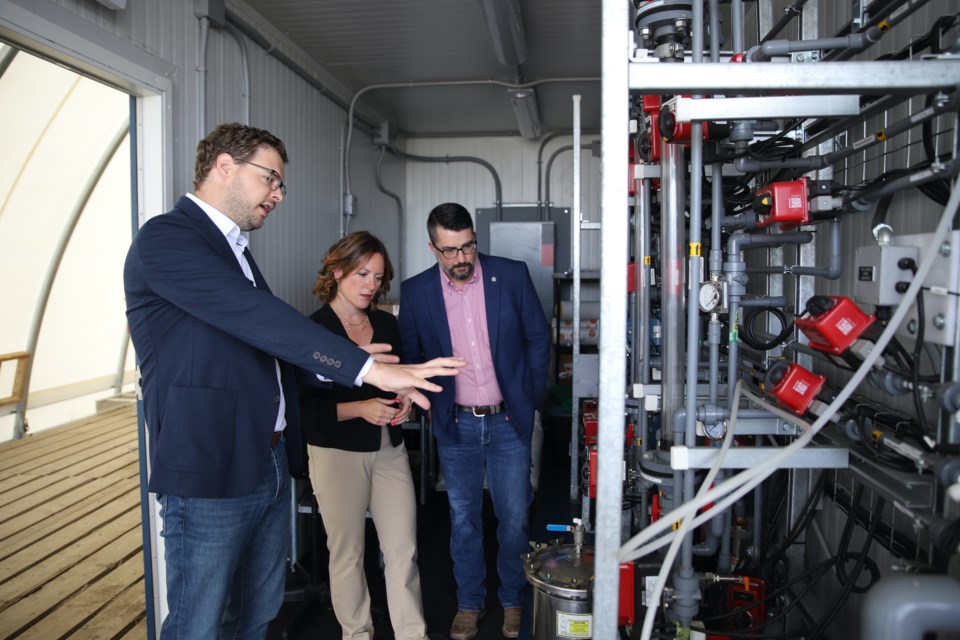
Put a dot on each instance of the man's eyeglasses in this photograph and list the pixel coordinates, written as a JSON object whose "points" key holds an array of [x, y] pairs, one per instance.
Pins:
{"points": [[274, 179], [451, 252]]}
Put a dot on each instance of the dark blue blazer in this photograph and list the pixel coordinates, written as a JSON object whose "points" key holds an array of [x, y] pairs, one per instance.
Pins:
{"points": [[519, 339], [206, 340]]}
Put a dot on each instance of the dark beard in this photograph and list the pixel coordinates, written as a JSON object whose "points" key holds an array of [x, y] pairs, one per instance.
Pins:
{"points": [[457, 271]]}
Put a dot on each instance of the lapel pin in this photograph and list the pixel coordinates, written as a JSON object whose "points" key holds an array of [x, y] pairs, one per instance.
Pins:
{"points": [[493, 278]]}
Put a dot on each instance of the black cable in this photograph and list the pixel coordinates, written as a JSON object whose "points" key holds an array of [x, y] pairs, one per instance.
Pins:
{"points": [[749, 335], [918, 345], [772, 562], [849, 586]]}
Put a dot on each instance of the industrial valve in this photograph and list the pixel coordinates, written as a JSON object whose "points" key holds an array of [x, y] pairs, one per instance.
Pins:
{"points": [[793, 387], [672, 130], [649, 134], [834, 323], [783, 203]]}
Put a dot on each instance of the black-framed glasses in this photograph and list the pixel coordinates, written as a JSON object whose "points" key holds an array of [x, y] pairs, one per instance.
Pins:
{"points": [[274, 179], [451, 252]]}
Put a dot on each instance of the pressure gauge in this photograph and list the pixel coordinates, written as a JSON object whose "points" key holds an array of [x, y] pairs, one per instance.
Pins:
{"points": [[710, 297]]}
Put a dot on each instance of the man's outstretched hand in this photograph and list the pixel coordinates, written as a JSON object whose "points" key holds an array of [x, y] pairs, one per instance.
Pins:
{"points": [[408, 379]]}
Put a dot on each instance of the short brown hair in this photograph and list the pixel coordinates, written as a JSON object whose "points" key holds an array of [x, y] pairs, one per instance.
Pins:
{"points": [[347, 255], [239, 140]]}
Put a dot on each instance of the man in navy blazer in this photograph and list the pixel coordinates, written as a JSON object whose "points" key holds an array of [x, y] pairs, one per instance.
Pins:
{"points": [[485, 309], [217, 353]]}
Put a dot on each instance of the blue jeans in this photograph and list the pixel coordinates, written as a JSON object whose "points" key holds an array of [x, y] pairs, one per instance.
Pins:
{"points": [[225, 558], [489, 444]]}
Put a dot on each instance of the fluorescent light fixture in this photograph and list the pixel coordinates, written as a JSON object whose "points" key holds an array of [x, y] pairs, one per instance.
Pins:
{"points": [[506, 30], [527, 112]]}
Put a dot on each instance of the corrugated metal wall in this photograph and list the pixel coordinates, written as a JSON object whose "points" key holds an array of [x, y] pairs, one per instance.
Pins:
{"points": [[515, 161], [289, 247]]}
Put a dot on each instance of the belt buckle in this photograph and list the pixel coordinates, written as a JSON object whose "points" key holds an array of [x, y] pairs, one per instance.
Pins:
{"points": [[485, 411]]}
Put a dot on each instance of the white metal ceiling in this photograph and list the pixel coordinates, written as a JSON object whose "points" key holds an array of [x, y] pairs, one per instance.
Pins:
{"points": [[369, 42]]}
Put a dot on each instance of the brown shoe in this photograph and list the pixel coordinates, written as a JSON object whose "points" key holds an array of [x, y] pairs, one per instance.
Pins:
{"points": [[511, 622], [465, 625]]}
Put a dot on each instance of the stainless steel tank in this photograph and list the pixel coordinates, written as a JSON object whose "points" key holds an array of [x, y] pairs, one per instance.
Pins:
{"points": [[562, 577]]}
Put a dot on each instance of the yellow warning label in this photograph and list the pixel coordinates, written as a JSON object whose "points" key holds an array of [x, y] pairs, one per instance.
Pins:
{"points": [[695, 249], [646, 260], [574, 625]]}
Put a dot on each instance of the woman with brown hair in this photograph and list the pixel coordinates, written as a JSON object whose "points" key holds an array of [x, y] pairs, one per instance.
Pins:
{"points": [[357, 459]]}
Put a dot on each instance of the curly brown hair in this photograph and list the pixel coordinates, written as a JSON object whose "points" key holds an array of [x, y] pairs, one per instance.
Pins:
{"points": [[347, 255], [239, 140]]}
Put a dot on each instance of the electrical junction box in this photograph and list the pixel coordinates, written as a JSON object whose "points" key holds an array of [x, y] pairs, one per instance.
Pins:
{"points": [[941, 289], [876, 274]]}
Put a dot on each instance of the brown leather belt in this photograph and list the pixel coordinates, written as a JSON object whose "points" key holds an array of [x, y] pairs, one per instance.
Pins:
{"points": [[276, 438], [482, 410]]}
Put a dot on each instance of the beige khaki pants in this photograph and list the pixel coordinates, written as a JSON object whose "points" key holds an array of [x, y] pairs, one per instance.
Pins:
{"points": [[347, 484]]}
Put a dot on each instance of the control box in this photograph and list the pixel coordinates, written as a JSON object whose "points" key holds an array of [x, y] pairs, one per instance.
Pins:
{"points": [[876, 274]]}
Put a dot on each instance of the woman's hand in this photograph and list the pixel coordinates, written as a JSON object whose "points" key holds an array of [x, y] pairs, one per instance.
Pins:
{"points": [[380, 411], [404, 411]]}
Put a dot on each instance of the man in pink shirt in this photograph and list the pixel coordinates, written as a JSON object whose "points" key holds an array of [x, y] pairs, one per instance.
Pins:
{"points": [[485, 309]]}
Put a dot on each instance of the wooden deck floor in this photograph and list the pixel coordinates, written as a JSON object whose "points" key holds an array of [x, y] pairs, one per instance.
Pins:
{"points": [[71, 561]]}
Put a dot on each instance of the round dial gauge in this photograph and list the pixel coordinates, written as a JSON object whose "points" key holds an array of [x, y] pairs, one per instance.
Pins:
{"points": [[710, 296]]}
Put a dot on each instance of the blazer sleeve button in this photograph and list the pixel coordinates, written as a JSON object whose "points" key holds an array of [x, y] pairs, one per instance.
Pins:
{"points": [[336, 364], [276, 398], [316, 355]]}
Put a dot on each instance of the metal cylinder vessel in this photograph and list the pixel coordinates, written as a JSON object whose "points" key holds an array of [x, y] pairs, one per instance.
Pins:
{"points": [[562, 577]]}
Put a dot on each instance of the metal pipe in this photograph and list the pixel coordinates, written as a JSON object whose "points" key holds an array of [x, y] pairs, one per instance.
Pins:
{"points": [[245, 70], [47, 286], [872, 34], [202, 40], [546, 177], [946, 170], [788, 14], [401, 233], [543, 144], [736, 28], [449, 159]]}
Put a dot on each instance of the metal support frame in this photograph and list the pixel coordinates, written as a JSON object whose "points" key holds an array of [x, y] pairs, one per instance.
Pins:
{"points": [[879, 77]]}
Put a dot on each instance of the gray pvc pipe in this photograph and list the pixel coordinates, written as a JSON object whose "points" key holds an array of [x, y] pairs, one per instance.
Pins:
{"points": [[907, 607], [686, 589], [766, 51], [834, 267]]}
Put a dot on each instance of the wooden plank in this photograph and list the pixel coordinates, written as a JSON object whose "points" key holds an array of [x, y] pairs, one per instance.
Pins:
{"points": [[38, 555], [87, 461], [123, 614], [67, 435], [32, 491], [18, 454], [138, 632], [60, 456], [71, 505], [76, 610], [20, 616], [21, 486]]}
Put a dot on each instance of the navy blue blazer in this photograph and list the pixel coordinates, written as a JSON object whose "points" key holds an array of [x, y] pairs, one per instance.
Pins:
{"points": [[519, 339], [206, 339]]}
